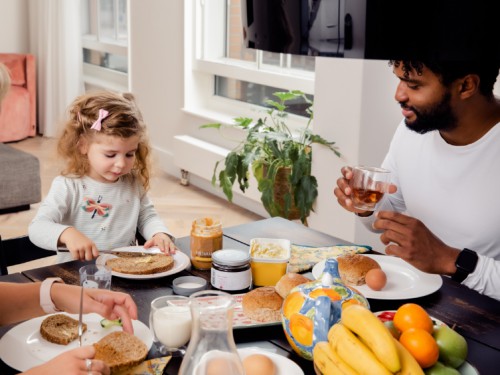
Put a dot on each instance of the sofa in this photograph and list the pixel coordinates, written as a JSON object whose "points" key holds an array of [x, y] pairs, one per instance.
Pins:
{"points": [[18, 112], [20, 184]]}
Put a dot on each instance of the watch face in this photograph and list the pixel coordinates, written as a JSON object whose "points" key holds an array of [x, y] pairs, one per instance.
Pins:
{"points": [[467, 260]]}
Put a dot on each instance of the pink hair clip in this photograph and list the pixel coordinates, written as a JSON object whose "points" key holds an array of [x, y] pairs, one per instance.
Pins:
{"points": [[98, 123]]}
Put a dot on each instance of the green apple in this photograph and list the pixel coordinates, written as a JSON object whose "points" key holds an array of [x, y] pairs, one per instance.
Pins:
{"points": [[452, 346], [440, 369], [392, 329]]}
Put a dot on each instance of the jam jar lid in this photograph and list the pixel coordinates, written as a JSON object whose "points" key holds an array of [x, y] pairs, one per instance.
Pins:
{"points": [[231, 257]]}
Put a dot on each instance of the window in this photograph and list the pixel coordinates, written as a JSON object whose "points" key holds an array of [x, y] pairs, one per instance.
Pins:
{"points": [[105, 42], [223, 69]]}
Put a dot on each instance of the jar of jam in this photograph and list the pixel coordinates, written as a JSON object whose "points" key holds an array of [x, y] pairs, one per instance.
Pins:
{"points": [[231, 270], [206, 237]]}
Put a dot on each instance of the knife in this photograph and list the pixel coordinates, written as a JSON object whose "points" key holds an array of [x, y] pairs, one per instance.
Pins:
{"points": [[151, 251], [80, 323]]}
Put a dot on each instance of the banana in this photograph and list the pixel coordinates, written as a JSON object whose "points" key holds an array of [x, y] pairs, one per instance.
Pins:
{"points": [[354, 352], [373, 333], [329, 362], [409, 365]]}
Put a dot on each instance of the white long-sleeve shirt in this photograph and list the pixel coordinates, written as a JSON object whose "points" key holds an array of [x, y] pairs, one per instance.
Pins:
{"points": [[108, 213], [454, 191]]}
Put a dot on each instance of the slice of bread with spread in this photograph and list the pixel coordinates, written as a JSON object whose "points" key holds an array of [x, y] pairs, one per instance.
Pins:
{"points": [[120, 350], [60, 329], [141, 265]]}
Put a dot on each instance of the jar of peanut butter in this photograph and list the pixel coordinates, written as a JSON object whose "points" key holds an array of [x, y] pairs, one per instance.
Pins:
{"points": [[206, 237]]}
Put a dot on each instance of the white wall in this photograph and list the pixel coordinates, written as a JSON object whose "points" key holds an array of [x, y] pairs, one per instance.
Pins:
{"points": [[14, 35], [354, 106], [156, 53]]}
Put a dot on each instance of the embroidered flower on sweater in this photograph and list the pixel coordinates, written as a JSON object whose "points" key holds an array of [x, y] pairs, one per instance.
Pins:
{"points": [[90, 205]]}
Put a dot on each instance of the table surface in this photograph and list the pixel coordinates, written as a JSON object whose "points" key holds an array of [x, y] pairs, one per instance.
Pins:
{"points": [[475, 316]]}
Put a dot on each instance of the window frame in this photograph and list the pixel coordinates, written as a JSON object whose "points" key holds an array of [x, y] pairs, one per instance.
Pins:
{"points": [[205, 59], [98, 76]]}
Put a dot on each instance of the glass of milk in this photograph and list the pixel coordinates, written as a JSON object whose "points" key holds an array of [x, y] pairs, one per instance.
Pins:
{"points": [[170, 324]]}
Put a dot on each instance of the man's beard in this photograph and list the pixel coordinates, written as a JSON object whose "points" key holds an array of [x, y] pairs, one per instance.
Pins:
{"points": [[438, 117]]}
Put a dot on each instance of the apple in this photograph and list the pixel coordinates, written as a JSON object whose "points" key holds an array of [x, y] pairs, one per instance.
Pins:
{"points": [[392, 329], [440, 369], [452, 346]]}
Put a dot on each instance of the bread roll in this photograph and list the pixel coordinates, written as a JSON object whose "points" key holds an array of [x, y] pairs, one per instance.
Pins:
{"points": [[120, 350], [262, 304], [353, 268], [289, 281], [60, 329]]}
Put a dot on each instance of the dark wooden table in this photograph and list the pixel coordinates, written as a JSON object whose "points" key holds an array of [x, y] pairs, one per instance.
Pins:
{"points": [[475, 316]]}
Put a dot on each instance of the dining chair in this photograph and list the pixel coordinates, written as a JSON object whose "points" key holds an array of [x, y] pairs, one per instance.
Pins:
{"points": [[19, 250]]}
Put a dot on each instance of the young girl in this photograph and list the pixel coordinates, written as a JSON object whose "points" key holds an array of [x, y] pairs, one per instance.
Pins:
{"points": [[100, 200]]}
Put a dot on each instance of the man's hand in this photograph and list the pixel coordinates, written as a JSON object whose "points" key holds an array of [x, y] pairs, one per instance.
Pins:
{"points": [[343, 191], [410, 240]]}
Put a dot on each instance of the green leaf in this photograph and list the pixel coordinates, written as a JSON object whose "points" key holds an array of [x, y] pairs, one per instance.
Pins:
{"points": [[227, 185], [215, 126], [306, 192]]}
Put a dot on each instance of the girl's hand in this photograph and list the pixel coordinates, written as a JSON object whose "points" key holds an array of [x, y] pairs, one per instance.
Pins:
{"points": [[80, 246], [73, 362], [163, 242], [109, 304]]}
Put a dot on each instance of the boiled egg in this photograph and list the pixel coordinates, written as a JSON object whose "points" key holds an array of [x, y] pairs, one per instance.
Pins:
{"points": [[376, 279], [259, 364]]}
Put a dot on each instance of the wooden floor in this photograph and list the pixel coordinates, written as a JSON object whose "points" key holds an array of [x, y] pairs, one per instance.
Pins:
{"points": [[176, 204]]}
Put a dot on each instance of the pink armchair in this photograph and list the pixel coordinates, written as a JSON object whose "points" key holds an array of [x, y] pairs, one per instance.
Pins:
{"points": [[18, 111]]}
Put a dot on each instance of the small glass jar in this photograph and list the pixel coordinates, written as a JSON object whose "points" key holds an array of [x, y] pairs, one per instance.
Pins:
{"points": [[231, 270], [206, 237]]}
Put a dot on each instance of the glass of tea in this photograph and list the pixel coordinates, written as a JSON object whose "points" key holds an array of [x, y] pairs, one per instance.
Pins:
{"points": [[368, 185]]}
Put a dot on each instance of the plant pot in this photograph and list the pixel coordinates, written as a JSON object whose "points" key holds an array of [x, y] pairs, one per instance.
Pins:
{"points": [[281, 188]]}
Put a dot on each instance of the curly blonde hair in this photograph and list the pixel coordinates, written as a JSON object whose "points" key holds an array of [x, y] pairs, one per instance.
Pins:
{"points": [[4, 81], [124, 120]]}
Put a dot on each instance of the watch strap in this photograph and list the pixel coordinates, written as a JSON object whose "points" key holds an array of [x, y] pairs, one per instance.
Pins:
{"points": [[46, 302], [466, 264]]}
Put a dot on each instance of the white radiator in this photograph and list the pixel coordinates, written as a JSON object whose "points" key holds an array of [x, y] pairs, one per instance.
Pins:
{"points": [[198, 157]]}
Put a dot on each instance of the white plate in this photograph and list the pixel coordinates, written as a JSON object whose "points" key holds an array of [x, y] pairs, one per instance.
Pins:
{"points": [[403, 280], [181, 261], [284, 366], [467, 369], [23, 347]]}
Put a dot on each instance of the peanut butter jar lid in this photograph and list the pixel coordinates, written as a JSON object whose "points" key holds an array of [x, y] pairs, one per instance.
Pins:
{"points": [[231, 257]]}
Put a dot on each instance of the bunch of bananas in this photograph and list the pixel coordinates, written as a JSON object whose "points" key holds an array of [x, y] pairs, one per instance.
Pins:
{"points": [[361, 344]]}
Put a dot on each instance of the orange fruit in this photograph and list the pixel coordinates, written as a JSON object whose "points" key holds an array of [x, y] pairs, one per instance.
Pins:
{"points": [[421, 346], [411, 315]]}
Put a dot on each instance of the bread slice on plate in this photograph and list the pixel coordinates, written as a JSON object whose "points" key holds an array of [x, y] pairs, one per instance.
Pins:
{"points": [[141, 265], [60, 329], [120, 350]]}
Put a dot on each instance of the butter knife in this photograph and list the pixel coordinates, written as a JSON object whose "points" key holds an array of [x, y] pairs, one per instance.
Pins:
{"points": [[151, 251], [80, 323]]}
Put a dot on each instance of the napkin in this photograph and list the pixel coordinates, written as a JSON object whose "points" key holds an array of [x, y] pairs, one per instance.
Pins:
{"points": [[303, 258], [150, 367]]}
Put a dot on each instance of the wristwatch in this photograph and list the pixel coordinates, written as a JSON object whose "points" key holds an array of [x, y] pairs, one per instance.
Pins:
{"points": [[466, 263]]}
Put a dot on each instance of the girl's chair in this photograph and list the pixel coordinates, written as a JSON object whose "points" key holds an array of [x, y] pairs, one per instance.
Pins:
{"points": [[18, 112]]}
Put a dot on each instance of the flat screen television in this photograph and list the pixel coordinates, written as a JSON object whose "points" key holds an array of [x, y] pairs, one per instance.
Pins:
{"points": [[374, 29]]}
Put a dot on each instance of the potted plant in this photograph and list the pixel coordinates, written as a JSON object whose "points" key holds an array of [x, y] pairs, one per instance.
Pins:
{"points": [[280, 159]]}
